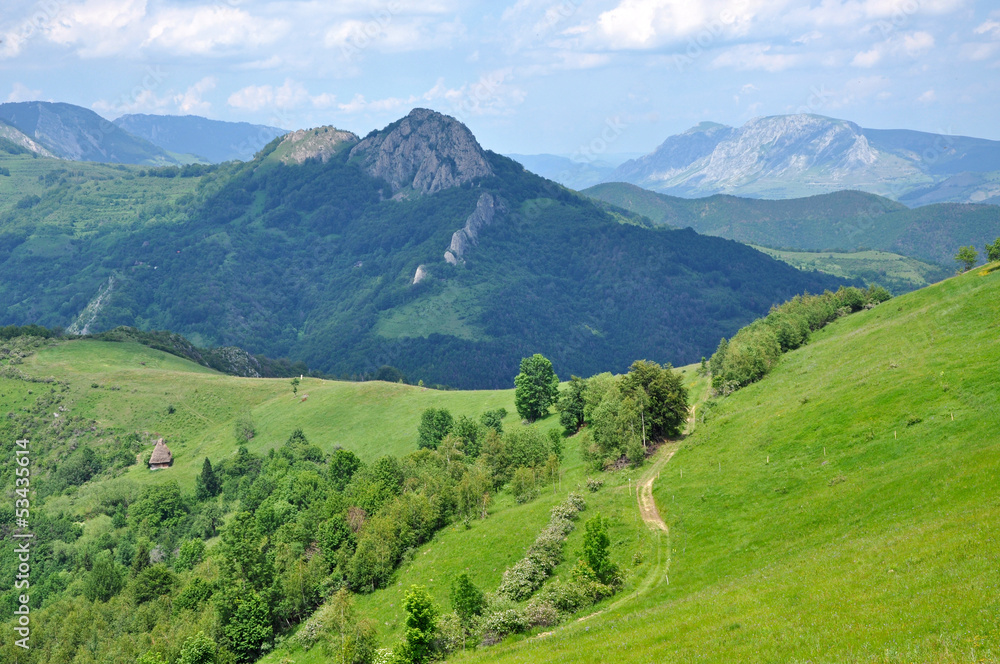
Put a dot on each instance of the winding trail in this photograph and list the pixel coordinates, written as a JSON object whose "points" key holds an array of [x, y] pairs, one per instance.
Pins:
{"points": [[660, 568]]}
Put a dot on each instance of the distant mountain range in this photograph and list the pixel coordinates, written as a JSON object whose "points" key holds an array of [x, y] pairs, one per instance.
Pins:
{"points": [[840, 221], [79, 134], [790, 156], [211, 141], [575, 173], [412, 247], [74, 132]]}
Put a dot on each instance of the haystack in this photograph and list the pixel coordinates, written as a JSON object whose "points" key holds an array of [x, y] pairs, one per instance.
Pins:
{"points": [[161, 456]]}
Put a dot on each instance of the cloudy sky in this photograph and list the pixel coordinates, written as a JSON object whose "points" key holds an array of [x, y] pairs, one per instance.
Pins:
{"points": [[527, 76]]}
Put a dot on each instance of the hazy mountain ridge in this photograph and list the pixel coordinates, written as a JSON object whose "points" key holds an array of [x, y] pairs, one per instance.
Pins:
{"points": [[213, 141], [73, 132], [798, 155], [839, 221]]}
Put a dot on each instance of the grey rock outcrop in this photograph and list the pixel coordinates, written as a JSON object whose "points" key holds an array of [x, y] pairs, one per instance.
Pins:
{"points": [[420, 274], [467, 237], [319, 143], [425, 150], [19, 138]]}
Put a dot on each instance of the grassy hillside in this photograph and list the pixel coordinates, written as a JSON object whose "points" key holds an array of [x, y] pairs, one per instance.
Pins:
{"points": [[897, 273], [843, 509], [136, 385], [844, 221]]}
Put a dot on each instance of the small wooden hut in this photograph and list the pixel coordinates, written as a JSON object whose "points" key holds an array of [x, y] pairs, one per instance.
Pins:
{"points": [[161, 456]]}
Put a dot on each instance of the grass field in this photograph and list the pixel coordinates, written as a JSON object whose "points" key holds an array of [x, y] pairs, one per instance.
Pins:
{"points": [[843, 509], [898, 273], [491, 545], [834, 511], [136, 385]]}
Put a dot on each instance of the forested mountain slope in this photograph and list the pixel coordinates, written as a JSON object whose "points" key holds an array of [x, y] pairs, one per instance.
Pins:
{"points": [[412, 247]]}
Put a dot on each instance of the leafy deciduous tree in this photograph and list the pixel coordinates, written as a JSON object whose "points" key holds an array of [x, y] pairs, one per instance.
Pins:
{"points": [[967, 257], [536, 387], [435, 423], [421, 624], [597, 549], [993, 251], [571, 404]]}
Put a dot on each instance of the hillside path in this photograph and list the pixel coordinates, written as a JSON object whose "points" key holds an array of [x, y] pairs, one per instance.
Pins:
{"points": [[659, 569]]}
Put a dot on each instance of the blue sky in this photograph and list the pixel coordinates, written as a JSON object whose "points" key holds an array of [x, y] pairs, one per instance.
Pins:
{"points": [[526, 76]]}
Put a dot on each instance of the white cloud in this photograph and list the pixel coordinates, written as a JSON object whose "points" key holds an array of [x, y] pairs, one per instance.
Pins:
{"points": [[868, 59], [203, 30], [291, 94], [97, 28], [755, 56], [808, 37], [990, 27], [977, 52], [21, 92], [927, 97], [392, 34], [912, 45], [190, 101], [642, 24], [860, 90], [491, 94]]}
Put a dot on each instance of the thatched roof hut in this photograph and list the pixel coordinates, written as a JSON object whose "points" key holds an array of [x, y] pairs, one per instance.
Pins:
{"points": [[161, 456]]}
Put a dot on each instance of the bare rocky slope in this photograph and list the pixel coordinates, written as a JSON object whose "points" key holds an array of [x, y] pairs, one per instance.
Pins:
{"points": [[789, 156]]}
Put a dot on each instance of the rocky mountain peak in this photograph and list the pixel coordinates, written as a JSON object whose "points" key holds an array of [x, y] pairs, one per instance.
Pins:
{"points": [[425, 150], [319, 143]]}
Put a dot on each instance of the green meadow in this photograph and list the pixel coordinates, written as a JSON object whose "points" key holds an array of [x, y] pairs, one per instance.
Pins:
{"points": [[842, 509]]}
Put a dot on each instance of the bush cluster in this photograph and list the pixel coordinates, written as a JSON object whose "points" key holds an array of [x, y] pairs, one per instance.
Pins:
{"points": [[528, 574], [756, 348]]}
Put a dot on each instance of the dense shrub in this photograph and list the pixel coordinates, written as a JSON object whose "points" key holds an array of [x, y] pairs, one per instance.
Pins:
{"points": [[756, 348], [528, 574]]}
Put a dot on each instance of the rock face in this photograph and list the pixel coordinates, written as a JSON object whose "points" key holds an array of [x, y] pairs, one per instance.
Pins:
{"points": [[425, 150], [320, 143], [675, 154], [18, 138], [420, 274], [468, 236], [789, 156]]}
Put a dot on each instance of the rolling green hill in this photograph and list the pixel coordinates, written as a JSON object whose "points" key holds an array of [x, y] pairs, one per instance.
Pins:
{"points": [[844, 221], [313, 251], [843, 508], [897, 273]]}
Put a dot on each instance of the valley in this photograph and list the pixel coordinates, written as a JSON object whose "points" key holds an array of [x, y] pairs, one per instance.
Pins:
{"points": [[312, 396]]}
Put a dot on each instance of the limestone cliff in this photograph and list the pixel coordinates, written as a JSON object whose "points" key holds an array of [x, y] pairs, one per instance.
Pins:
{"points": [[468, 236], [426, 151]]}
